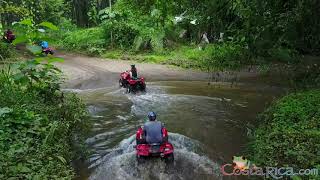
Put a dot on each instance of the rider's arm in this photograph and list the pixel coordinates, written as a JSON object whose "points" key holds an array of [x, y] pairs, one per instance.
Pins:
{"points": [[144, 131], [165, 136]]}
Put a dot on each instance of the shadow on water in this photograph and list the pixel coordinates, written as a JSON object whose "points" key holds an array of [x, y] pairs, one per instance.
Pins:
{"points": [[209, 125]]}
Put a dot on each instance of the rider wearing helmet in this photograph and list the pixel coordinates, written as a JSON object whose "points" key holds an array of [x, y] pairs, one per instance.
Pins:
{"points": [[153, 129], [44, 44], [133, 72]]}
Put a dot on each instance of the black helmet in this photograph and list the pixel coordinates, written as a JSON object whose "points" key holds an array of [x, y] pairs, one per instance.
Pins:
{"points": [[152, 116]]}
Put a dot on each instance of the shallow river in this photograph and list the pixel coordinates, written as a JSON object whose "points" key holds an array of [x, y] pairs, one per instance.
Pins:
{"points": [[207, 124]]}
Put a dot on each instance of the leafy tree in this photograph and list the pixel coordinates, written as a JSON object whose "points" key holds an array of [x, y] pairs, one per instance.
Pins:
{"points": [[32, 34], [49, 10]]}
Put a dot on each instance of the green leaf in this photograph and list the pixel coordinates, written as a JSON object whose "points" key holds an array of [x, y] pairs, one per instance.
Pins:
{"points": [[23, 169], [40, 59], [101, 12], [21, 78], [296, 178], [35, 49], [27, 22], [5, 110], [49, 25], [45, 38], [20, 39], [55, 59], [14, 23], [31, 64], [62, 159], [112, 15]]}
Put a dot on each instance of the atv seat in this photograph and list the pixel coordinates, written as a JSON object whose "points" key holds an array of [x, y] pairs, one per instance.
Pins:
{"points": [[155, 144]]}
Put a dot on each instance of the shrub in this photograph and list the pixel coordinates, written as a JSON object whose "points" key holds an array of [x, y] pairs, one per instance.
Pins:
{"points": [[92, 40], [38, 123], [6, 51], [289, 133], [304, 77], [123, 34], [285, 55], [225, 56]]}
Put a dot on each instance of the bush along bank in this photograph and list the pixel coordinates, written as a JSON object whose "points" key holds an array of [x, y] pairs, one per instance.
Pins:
{"points": [[289, 133], [220, 56], [39, 123]]}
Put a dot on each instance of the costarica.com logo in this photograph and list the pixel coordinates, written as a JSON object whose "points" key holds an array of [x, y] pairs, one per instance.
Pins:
{"points": [[242, 166]]}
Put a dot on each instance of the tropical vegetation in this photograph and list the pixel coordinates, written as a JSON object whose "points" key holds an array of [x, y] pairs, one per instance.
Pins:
{"points": [[39, 122]]}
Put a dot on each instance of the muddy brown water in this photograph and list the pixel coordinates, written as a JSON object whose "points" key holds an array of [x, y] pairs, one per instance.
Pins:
{"points": [[208, 123]]}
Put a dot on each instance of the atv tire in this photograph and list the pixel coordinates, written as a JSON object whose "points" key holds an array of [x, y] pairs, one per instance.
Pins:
{"points": [[169, 159], [141, 159], [129, 89], [143, 87]]}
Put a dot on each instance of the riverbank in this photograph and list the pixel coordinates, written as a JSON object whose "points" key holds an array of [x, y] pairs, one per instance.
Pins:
{"points": [[288, 133], [84, 72]]}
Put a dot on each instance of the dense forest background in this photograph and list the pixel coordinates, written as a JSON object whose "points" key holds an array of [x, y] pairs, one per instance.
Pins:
{"points": [[267, 28], [278, 36]]}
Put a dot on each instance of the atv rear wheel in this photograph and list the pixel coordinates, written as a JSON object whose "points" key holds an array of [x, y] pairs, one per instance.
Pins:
{"points": [[129, 89], [143, 87], [169, 158], [141, 159]]}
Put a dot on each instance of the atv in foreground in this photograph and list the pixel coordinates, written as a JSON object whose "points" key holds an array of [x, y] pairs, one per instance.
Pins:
{"points": [[163, 150]]}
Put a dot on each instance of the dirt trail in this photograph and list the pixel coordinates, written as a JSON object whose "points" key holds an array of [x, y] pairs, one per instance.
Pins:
{"points": [[89, 72]]}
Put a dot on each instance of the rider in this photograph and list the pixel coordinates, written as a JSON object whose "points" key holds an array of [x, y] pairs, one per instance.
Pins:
{"points": [[44, 44], [133, 72], [153, 129], [9, 36]]}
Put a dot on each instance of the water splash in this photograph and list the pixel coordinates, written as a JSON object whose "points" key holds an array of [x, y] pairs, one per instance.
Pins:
{"points": [[120, 163]]}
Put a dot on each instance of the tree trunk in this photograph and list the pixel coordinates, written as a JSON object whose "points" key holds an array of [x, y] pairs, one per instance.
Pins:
{"points": [[80, 10]]}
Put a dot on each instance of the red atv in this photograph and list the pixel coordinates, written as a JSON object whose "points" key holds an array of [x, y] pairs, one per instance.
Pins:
{"points": [[145, 150], [9, 37], [47, 51], [132, 85]]}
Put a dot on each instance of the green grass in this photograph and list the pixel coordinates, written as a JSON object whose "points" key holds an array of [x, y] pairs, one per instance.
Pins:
{"points": [[95, 41], [214, 56], [91, 41], [113, 54]]}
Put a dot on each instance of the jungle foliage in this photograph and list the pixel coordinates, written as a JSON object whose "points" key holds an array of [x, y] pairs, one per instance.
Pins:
{"points": [[40, 125], [274, 30], [289, 133], [39, 119]]}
